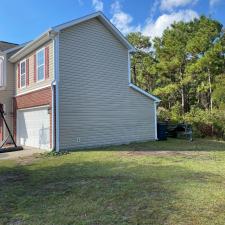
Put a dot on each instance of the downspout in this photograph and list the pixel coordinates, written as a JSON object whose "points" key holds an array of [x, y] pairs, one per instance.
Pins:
{"points": [[53, 99], [53, 114], [54, 87], [56, 69], [156, 128]]}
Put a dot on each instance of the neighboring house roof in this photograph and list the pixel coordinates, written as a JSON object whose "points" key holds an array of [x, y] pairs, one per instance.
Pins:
{"points": [[50, 33], [16, 48], [6, 45]]}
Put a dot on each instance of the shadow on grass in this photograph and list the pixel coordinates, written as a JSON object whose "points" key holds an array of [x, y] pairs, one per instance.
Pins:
{"points": [[171, 144], [95, 192]]}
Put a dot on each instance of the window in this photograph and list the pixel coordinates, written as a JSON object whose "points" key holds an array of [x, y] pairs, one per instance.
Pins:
{"points": [[23, 74], [1, 72], [40, 65]]}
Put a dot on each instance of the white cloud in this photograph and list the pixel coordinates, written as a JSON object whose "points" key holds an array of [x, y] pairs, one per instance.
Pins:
{"points": [[156, 28], [98, 5], [116, 6], [154, 8], [151, 28], [213, 2], [169, 5], [122, 20]]}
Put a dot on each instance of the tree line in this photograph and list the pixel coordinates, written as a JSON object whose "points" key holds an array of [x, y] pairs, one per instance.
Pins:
{"points": [[185, 68]]}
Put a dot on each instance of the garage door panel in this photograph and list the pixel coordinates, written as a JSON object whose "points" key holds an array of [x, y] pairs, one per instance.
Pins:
{"points": [[33, 128]]}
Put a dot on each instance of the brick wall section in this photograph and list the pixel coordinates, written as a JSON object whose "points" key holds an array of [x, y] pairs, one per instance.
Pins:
{"points": [[34, 99]]}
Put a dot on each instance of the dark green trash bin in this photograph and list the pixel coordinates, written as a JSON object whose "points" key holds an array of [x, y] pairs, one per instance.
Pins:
{"points": [[162, 131]]}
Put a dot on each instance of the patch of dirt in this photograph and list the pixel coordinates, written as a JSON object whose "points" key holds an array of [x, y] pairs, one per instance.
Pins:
{"points": [[165, 153], [28, 160]]}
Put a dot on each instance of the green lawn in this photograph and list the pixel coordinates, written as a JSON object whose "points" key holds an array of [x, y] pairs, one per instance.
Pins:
{"points": [[134, 184]]}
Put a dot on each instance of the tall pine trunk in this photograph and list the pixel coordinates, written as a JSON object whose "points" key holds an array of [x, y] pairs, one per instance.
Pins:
{"points": [[210, 91], [182, 100], [210, 95]]}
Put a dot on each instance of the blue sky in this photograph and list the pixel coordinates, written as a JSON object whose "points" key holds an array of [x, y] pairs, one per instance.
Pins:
{"points": [[24, 20]]}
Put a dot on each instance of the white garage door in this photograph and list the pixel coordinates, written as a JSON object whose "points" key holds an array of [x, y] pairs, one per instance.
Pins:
{"points": [[33, 128]]}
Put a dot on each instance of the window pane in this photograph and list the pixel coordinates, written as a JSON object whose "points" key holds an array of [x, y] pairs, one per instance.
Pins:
{"points": [[40, 58], [23, 80], [22, 67], [41, 72]]}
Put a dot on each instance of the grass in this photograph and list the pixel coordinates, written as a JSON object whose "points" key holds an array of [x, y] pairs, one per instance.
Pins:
{"points": [[161, 183]]}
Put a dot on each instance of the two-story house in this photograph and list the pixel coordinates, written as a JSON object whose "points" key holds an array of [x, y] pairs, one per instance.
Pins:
{"points": [[71, 88]]}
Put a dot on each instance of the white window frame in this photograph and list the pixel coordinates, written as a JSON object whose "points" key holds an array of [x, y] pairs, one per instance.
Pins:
{"points": [[37, 66], [25, 73]]}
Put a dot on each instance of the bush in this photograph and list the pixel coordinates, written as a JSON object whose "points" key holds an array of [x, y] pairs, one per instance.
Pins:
{"points": [[218, 118], [173, 114], [204, 122]]}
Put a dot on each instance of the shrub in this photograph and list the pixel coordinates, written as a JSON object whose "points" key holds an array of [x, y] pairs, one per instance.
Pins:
{"points": [[204, 122]]}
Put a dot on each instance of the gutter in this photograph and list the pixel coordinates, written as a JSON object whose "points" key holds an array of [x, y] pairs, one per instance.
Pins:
{"points": [[155, 99], [31, 46]]}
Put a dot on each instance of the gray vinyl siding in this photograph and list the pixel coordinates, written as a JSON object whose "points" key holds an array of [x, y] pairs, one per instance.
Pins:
{"points": [[95, 102]]}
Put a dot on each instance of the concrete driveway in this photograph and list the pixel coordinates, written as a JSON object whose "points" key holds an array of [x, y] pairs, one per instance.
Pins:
{"points": [[21, 154]]}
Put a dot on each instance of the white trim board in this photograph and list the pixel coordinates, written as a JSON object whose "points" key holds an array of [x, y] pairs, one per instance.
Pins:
{"points": [[33, 90], [31, 46], [34, 107]]}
